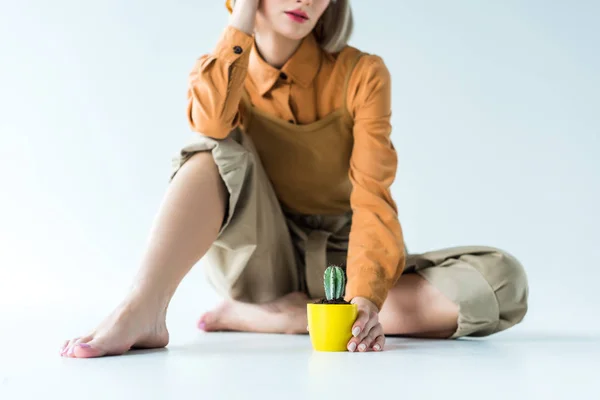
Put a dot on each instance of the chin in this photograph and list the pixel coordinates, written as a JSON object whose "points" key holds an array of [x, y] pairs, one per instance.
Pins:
{"points": [[294, 33]]}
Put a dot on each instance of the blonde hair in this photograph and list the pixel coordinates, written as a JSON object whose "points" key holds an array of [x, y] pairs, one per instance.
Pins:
{"points": [[335, 27]]}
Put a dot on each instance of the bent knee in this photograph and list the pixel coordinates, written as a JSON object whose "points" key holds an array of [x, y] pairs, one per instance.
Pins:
{"points": [[202, 165], [201, 161], [512, 291], [508, 281]]}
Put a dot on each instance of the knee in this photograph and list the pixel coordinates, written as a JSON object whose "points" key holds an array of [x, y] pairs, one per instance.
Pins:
{"points": [[202, 161], [202, 166], [508, 279], [194, 163], [199, 170]]}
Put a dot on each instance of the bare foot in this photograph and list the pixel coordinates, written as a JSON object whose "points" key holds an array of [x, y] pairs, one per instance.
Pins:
{"points": [[132, 325], [284, 315]]}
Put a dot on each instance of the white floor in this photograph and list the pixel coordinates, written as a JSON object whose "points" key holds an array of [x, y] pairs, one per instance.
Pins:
{"points": [[521, 364]]}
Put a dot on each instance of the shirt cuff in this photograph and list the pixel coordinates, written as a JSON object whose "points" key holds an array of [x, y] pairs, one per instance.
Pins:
{"points": [[369, 287], [234, 46]]}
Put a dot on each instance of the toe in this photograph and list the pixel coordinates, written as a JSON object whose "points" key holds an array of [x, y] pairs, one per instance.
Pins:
{"points": [[68, 348], [202, 322], [84, 339], [208, 322], [63, 347], [86, 350]]}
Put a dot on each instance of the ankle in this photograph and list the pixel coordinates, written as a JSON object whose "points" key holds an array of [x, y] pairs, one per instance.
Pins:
{"points": [[140, 298]]}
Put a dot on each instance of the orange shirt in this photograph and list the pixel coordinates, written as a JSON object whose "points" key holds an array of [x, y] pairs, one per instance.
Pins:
{"points": [[301, 93]]}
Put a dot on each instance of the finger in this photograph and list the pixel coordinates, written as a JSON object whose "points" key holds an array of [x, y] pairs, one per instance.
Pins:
{"points": [[379, 343], [360, 323], [366, 321], [371, 323], [366, 343], [354, 343], [358, 328]]}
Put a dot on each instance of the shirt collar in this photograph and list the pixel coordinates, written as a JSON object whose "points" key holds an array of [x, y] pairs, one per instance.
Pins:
{"points": [[301, 68]]}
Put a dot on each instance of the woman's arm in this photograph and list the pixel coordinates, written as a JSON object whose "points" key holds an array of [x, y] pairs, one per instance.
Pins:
{"points": [[376, 255], [216, 82]]}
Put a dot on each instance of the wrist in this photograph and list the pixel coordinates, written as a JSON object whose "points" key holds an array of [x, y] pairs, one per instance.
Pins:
{"points": [[243, 16], [365, 302]]}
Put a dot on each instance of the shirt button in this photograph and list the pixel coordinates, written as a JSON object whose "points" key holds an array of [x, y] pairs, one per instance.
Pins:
{"points": [[283, 76], [237, 50]]}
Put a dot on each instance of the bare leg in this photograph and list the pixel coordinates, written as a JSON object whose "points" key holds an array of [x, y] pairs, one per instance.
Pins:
{"points": [[186, 226], [284, 315], [416, 308]]}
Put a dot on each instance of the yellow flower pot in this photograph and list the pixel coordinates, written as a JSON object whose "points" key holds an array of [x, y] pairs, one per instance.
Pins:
{"points": [[330, 325]]}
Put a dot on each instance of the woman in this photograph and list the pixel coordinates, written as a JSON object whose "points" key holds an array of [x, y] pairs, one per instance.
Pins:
{"points": [[289, 171]]}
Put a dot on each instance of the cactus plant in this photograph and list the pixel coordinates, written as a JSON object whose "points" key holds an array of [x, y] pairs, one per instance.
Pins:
{"points": [[335, 282], [331, 318]]}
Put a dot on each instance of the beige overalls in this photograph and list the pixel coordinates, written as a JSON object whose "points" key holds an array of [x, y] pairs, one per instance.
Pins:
{"points": [[264, 251]]}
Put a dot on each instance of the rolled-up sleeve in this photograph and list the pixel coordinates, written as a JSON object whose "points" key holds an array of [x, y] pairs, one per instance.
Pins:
{"points": [[216, 85]]}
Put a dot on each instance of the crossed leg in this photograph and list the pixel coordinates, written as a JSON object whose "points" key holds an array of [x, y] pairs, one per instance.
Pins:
{"points": [[414, 307], [187, 225]]}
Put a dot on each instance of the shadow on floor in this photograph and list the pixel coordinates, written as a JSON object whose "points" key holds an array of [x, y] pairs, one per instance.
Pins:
{"points": [[240, 344]]}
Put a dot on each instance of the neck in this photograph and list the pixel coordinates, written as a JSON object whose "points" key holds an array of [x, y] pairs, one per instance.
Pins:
{"points": [[274, 48]]}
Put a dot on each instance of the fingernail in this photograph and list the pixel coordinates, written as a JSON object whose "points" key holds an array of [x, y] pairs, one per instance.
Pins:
{"points": [[202, 325], [352, 346], [377, 347], [362, 347], [356, 331], [71, 350], [84, 345]]}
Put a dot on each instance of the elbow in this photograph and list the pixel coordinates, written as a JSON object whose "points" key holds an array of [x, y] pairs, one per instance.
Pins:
{"points": [[208, 125], [211, 129]]}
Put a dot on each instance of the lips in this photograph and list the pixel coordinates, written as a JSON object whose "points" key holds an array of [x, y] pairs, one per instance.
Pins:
{"points": [[298, 13]]}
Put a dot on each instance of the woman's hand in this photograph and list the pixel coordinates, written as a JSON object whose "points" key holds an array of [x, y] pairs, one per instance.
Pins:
{"points": [[367, 331], [243, 16]]}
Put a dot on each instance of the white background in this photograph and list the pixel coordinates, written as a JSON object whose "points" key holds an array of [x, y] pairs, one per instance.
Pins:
{"points": [[495, 121]]}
